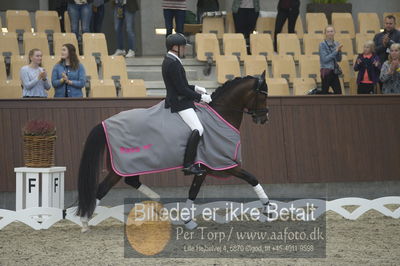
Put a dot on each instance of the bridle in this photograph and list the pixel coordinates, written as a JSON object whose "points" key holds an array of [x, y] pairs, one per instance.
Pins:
{"points": [[258, 112]]}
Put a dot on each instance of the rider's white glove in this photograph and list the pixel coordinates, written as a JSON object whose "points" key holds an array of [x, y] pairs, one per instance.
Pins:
{"points": [[206, 98], [199, 89]]}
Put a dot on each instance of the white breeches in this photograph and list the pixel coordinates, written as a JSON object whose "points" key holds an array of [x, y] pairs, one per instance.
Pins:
{"points": [[191, 119]]}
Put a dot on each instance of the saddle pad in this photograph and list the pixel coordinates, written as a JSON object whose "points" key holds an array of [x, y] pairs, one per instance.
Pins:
{"points": [[144, 141]]}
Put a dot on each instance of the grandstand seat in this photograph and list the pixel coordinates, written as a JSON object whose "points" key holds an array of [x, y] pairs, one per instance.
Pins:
{"points": [[343, 23], [48, 63], [266, 25], [18, 21], [47, 21], [316, 23], [310, 67], [301, 86], [9, 44], [345, 66], [299, 30], [311, 43], [361, 38], [227, 68], [229, 23], [347, 43], [283, 67], [353, 86], [214, 25], [10, 89], [134, 88], [235, 44], [94, 44], [90, 67], [67, 22], [59, 39], [255, 65], [206, 46], [36, 40], [17, 62], [289, 44], [368, 23], [3, 72], [261, 44], [277, 87], [102, 89], [114, 68]]}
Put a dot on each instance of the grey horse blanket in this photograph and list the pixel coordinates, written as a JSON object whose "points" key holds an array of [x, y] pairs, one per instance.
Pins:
{"points": [[144, 141]]}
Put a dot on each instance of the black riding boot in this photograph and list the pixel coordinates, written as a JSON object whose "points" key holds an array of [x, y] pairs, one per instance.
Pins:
{"points": [[190, 155]]}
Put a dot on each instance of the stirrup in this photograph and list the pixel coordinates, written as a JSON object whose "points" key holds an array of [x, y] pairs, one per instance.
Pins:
{"points": [[193, 169]]}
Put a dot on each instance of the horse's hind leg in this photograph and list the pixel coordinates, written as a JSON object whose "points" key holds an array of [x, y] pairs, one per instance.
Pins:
{"points": [[134, 181], [193, 192]]}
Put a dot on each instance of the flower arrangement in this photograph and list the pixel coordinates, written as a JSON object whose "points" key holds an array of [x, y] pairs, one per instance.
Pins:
{"points": [[39, 128]]}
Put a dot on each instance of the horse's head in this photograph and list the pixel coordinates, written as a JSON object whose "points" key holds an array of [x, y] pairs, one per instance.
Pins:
{"points": [[256, 102]]}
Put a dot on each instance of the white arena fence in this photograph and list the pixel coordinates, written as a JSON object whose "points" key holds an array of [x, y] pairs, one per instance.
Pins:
{"points": [[44, 217]]}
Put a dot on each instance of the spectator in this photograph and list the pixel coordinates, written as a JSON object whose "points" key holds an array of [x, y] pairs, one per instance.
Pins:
{"points": [[287, 10], [390, 72], [124, 12], [97, 15], [206, 6], [330, 52], [34, 77], [368, 67], [60, 6], [385, 39], [174, 9], [80, 11], [245, 14], [69, 75]]}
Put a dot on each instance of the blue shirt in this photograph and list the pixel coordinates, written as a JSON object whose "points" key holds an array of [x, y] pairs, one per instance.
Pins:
{"points": [[78, 78], [328, 54], [32, 86]]}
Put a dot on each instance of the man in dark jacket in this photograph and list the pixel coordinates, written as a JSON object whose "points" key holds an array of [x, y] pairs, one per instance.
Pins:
{"points": [[97, 16], [287, 10], [180, 98], [385, 39]]}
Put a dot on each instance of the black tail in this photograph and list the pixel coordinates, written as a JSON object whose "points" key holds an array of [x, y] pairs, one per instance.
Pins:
{"points": [[89, 171]]}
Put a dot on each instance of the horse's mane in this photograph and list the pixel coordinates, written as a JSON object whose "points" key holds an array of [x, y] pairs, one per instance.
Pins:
{"points": [[221, 90]]}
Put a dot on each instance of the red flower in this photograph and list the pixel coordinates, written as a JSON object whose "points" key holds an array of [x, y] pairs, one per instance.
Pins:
{"points": [[39, 128]]}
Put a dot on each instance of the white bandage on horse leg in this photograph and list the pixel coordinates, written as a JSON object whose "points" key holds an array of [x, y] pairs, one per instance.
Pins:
{"points": [[261, 194], [189, 223], [148, 192], [97, 202]]}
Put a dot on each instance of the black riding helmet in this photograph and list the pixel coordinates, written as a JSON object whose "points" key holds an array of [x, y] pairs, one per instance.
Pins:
{"points": [[175, 39]]}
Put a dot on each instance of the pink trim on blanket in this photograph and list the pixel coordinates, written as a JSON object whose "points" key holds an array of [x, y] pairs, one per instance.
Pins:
{"points": [[159, 170], [219, 116]]}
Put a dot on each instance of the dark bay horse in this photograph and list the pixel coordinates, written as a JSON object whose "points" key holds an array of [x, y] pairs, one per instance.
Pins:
{"points": [[232, 100]]}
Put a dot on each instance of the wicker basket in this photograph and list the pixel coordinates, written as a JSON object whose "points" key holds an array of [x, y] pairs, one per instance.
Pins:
{"points": [[39, 151]]}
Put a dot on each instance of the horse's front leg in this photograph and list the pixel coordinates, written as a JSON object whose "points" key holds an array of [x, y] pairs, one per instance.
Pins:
{"points": [[193, 192], [252, 180]]}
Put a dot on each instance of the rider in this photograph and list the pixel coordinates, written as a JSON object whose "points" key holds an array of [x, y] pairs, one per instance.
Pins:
{"points": [[180, 98]]}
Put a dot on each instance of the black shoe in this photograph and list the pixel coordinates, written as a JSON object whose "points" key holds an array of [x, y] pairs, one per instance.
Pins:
{"points": [[194, 169], [190, 155]]}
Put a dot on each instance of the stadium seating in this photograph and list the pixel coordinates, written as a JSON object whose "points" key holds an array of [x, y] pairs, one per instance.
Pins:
{"points": [[229, 23], [214, 25], [18, 21], [261, 44], [36, 40], [227, 68], [343, 23], [289, 44], [10, 89], [299, 30], [344, 64], [310, 67], [90, 67], [94, 43], [16, 63], [278, 87], [311, 43], [368, 23], [48, 63], [316, 23], [283, 67], [9, 44], [301, 86], [347, 43], [3, 72], [47, 21], [67, 22], [134, 88], [234, 44], [59, 39], [206, 46], [361, 38], [255, 65], [265, 25], [102, 89]]}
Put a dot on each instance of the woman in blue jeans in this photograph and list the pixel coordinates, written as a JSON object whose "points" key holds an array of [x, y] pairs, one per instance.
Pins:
{"points": [[124, 12], [174, 9], [80, 11]]}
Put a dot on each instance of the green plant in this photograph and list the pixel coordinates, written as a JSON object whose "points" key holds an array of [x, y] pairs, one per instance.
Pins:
{"points": [[329, 1], [39, 128]]}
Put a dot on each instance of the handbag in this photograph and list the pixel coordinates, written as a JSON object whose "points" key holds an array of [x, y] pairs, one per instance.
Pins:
{"points": [[337, 70]]}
